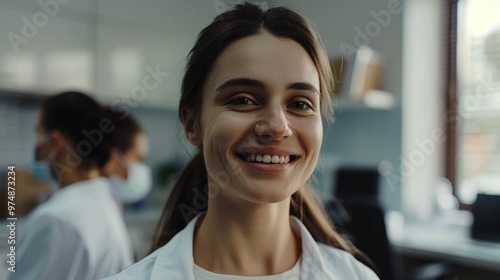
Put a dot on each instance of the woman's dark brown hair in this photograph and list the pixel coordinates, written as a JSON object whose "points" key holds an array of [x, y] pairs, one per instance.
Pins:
{"points": [[75, 115], [189, 194], [126, 129]]}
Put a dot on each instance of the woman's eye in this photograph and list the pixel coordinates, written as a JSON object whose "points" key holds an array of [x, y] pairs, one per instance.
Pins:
{"points": [[301, 105], [241, 101]]}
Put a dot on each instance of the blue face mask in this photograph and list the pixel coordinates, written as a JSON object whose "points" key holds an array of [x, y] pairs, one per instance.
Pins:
{"points": [[41, 170]]}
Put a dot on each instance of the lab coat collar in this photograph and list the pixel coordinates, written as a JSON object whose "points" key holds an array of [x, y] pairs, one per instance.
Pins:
{"points": [[176, 257], [100, 184], [313, 264]]}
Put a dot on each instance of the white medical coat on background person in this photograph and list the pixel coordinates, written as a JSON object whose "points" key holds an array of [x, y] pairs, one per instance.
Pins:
{"points": [[174, 261], [78, 234]]}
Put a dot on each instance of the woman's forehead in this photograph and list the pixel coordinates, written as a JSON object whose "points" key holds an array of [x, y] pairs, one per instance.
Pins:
{"points": [[274, 60]]}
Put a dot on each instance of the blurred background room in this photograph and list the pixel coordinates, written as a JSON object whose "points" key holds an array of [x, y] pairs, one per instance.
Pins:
{"points": [[416, 137]]}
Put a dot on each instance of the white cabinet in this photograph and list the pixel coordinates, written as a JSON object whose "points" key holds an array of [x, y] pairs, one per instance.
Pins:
{"points": [[105, 49], [138, 67], [43, 53], [141, 52]]}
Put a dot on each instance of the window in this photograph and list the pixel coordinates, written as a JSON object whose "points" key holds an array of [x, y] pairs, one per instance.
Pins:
{"points": [[478, 94]]}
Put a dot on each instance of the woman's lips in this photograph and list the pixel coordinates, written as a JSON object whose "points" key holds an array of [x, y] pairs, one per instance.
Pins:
{"points": [[267, 159], [267, 163]]}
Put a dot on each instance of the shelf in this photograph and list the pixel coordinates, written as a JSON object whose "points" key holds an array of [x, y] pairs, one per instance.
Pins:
{"points": [[372, 100]]}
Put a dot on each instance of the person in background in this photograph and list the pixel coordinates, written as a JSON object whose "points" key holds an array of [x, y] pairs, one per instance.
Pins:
{"points": [[131, 179], [79, 232], [256, 87]]}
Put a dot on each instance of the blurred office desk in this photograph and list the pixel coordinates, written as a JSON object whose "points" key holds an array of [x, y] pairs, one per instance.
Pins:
{"points": [[141, 225], [451, 243]]}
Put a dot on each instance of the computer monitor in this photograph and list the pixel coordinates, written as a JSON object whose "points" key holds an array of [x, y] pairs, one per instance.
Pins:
{"points": [[357, 181], [486, 212]]}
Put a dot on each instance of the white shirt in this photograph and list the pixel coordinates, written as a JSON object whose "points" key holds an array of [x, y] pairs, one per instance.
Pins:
{"points": [[292, 274], [174, 261], [77, 234]]}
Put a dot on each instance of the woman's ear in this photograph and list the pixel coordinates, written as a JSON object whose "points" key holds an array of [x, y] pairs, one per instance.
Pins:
{"points": [[58, 142], [116, 164], [191, 128]]}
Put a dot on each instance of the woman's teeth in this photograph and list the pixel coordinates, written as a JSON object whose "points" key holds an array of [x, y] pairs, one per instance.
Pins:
{"points": [[267, 158]]}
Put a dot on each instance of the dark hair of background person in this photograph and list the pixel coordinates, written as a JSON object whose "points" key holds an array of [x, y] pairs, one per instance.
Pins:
{"points": [[243, 21], [126, 128], [77, 116]]}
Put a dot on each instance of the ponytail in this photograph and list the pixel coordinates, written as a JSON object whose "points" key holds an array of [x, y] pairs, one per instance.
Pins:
{"points": [[307, 206], [181, 206]]}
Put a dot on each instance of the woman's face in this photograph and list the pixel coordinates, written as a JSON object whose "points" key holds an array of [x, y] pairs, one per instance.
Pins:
{"points": [[260, 124], [42, 147], [140, 148], [137, 153]]}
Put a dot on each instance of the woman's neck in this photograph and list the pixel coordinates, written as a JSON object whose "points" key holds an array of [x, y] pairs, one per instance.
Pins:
{"points": [[76, 175], [250, 240]]}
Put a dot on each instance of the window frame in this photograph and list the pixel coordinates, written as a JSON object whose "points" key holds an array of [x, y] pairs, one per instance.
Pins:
{"points": [[451, 93]]}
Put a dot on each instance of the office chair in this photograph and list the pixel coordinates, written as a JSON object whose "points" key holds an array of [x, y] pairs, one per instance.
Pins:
{"points": [[486, 212], [362, 217]]}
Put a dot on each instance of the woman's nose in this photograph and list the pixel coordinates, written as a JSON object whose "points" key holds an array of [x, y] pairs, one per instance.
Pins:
{"points": [[273, 126]]}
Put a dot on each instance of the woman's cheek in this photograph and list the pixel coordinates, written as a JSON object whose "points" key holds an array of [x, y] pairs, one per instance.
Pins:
{"points": [[312, 133], [225, 129]]}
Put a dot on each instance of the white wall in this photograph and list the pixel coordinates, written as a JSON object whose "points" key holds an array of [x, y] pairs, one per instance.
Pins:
{"points": [[107, 48], [423, 106], [161, 32], [362, 136]]}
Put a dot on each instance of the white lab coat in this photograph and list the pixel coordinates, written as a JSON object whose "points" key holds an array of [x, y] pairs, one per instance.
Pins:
{"points": [[78, 234], [174, 261]]}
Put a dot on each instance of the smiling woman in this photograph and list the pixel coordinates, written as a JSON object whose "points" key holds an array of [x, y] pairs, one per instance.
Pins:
{"points": [[256, 88]]}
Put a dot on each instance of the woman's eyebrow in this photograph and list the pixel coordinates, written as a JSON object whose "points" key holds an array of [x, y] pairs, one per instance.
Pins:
{"points": [[260, 85], [303, 86], [241, 82]]}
